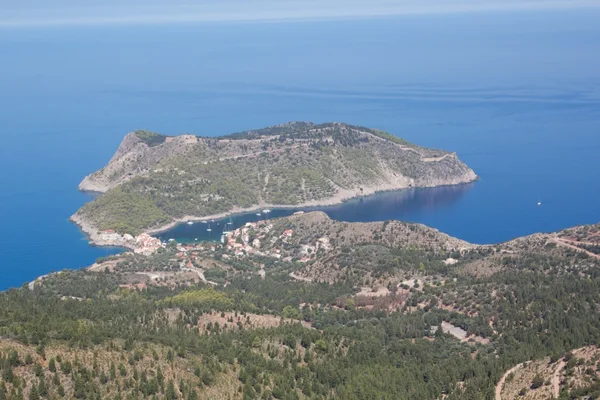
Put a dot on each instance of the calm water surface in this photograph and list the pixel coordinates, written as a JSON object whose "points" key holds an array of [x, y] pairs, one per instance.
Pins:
{"points": [[516, 95], [406, 205]]}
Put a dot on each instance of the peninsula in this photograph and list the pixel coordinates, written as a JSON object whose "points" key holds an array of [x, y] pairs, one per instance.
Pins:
{"points": [[305, 307], [154, 181]]}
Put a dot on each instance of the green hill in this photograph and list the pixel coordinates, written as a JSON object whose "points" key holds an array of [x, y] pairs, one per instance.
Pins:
{"points": [[151, 327], [154, 179]]}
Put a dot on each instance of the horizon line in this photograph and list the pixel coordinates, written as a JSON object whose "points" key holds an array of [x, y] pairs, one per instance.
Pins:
{"points": [[305, 16]]}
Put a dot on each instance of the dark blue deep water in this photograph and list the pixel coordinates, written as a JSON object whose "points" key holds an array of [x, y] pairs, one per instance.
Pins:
{"points": [[517, 95]]}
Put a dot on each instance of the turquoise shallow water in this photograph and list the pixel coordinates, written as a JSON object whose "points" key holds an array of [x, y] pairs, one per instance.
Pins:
{"points": [[517, 95]]}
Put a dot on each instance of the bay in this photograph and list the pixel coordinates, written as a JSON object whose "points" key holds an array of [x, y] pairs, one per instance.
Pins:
{"points": [[404, 205]]}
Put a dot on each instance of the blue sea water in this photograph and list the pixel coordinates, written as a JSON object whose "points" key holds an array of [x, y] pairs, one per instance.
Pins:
{"points": [[516, 95], [404, 205]]}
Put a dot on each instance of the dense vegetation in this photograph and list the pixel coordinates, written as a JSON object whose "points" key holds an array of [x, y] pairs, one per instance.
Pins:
{"points": [[88, 335], [126, 211], [150, 138]]}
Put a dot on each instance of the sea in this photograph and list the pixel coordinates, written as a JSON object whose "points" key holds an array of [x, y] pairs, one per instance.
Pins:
{"points": [[515, 94]]}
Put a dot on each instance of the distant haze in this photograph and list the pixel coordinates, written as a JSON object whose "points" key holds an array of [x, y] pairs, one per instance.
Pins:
{"points": [[31, 13]]}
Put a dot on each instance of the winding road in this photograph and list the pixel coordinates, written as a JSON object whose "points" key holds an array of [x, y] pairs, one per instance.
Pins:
{"points": [[500, 384]]}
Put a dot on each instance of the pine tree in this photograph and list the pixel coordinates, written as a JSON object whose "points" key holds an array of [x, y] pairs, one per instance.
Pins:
{"points": [[113, 371], [33, 393], [52, 365], [171, 393], [42, 387]]}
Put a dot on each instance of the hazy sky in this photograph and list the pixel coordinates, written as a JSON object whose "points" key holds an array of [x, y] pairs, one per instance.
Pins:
{"points": [[22, 13]]}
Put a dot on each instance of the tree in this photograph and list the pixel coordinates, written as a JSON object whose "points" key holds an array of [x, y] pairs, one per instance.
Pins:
{"points": [[537, 382], [321, 346], [291, 312], [249, 393], [42, 387], [52, 365], [33, 393], [7, 374], [171, 393]]}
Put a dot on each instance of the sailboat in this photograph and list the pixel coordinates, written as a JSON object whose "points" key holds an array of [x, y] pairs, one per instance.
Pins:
{"points": [[226, 229], [227, 226]]}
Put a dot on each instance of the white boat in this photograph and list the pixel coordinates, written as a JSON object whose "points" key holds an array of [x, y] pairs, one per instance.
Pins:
{"points": [[209, 230], [190, 223], [266, 211], [171, 240], [258, 214], [539, 203], [204, 222], [196, 239]]}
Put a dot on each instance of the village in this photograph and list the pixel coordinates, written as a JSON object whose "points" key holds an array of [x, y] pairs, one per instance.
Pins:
{"points": [[141, 244], [254, 239]]}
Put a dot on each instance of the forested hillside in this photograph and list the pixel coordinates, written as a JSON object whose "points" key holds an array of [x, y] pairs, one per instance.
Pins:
{"points": [[198, 322]]}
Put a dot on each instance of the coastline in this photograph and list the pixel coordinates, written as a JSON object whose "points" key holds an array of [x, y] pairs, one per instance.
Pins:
{"points": [[91, 232], [343, 195]]}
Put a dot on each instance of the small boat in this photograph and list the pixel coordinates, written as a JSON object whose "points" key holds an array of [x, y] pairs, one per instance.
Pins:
{"points": [[539, 203], [266, 211], [171, 240], [196, 239], [258, 214], [209, 230], [204, 222], [190, 223]]}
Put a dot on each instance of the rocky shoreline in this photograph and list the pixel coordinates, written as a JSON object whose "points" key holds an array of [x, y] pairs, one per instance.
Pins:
{"points": [[94, 235]]}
